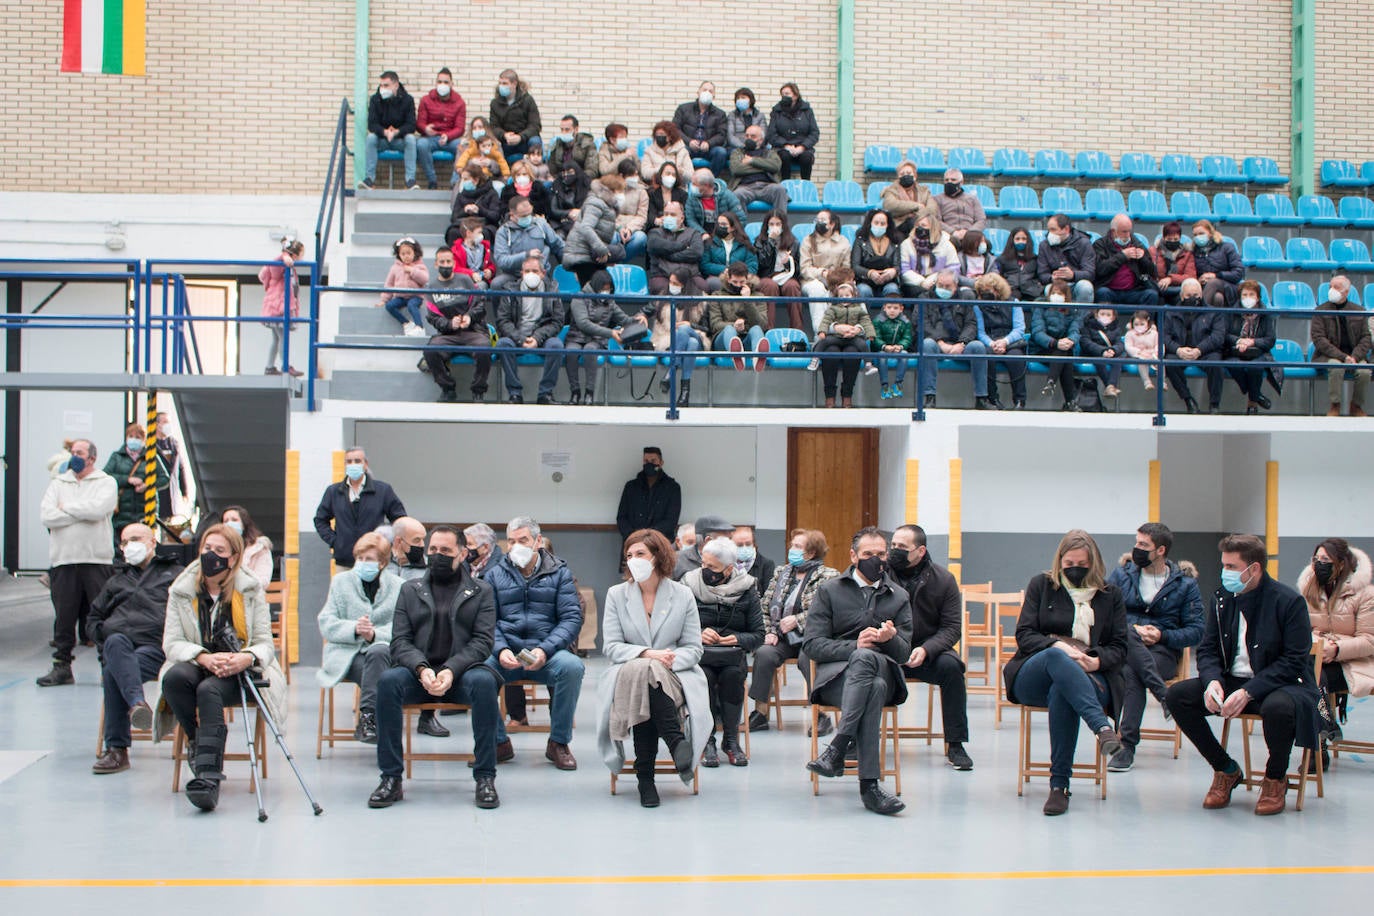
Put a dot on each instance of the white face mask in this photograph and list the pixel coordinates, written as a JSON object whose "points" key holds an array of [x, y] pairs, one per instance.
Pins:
{"points": [[774, 232], [1333, 296], [1248, 302], [566, 136], [1054, 238], [532, 280], [668, 181], [705, 98], [640, 568], [135, 552], [522, 182], [520, 555], [1056, 297], [619, 200], [385, 93], [443, 89], [674, 289], [632, 183]]}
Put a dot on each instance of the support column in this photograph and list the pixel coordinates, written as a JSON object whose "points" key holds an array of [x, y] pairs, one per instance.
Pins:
{"points": [[1303, 46], [913, 491], [1152, 506], [361, 17], [844, 95], [956, 518], [1271, 516]]}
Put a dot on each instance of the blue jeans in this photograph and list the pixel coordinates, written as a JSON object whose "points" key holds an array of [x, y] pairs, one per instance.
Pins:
{"points": [[636, 246], [426, 148], [1083, 290], [476, 688], [888, 290], [563, 675], [717, 156], [404, 145], [687, 341], [751, 338], [930, 367], [124, 670], [1052, 679], [547, 379], [897, 366], [406, 308]]}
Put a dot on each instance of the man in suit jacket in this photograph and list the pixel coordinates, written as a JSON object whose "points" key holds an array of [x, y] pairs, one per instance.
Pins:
{"points": [[442, 633], [355, 505], [1255, 657], [859, 634]]}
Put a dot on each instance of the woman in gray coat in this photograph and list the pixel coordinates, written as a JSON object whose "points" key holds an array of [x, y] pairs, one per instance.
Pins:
{"points": [[655, 687], [593, 323], [593, 242]]}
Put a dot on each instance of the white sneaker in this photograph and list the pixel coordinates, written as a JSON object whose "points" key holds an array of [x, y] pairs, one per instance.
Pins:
{"points": [[871, 369], [414, 330], [814, 364]]}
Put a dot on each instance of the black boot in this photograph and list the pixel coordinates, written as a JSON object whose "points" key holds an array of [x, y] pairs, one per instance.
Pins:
{"points": [[684, 394], [208, 765], [646, 747], [669, 728], [730, 714], [575, 396], [366, 731]]}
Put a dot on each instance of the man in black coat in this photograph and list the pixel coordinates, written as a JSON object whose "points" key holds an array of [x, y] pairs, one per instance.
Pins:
{"points": [[1255, 657], [1126, 274], [936, 623], [651, 499], [1188, 334], [703, 128], [443, 632], [355, 505], [858, 632], [390, 126], [126, 622]]}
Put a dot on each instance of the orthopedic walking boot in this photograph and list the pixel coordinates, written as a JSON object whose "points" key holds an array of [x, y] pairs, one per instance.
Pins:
{"points": [[208, 765]]}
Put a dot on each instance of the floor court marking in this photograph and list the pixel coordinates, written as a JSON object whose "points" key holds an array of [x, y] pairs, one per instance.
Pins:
{"points": [[587, 880]]}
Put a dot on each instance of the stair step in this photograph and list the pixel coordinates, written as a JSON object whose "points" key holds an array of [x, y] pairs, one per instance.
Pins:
{"points": [[366, 319], [386, 197], [397, 224], [428, 241], [368, 271]]}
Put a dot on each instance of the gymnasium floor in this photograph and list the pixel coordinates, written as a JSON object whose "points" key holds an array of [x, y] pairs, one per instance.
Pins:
{"points": [[755, 840]]}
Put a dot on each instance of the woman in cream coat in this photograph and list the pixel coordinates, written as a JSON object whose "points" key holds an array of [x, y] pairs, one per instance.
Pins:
{"points": [[1340, 601]]}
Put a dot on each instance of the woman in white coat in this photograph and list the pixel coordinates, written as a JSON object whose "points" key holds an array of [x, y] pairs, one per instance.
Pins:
{"points": [[652, 637], [201, 675]]}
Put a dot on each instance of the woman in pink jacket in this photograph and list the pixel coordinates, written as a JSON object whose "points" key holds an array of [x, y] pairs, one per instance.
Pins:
{"points": [[273, 280]]}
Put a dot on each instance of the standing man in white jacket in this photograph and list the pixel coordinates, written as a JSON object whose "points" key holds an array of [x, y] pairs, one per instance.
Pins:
{"points": [[77, 508]]}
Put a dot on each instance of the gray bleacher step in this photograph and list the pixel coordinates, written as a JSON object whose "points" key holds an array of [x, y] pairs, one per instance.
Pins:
{"points": [[365, 319], [396, 224], [381, 193], [368, 271], [384, 240]]}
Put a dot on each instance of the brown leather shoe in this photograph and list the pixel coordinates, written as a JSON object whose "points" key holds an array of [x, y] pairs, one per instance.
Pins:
{"points": [[505, 751], [1219, 796], [1273, 796], [114, 760], [1334, 410], [561, 756], [1357, 411], [829, 402]]}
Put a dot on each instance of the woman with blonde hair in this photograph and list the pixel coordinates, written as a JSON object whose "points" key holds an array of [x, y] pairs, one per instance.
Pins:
{"points": [[1218, 263]]}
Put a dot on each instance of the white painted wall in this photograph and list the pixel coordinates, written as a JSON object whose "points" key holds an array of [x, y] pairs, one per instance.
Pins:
{"points": [[892, 477], [1191, 490], [932, 444], [1324, 482], [1243, 475]]}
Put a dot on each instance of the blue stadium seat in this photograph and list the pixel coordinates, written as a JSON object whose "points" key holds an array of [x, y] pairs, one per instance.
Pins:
{"points": [[776, 338], [1148, 206], [753, 229], [970, 160], [1340, 173], [1094, 235], [1357, 212], [1368, 292], [881, 159], [1188, 206], [1351, 254], [1140, 167], [874, 194], [1095, 164], [1276, 210], [1181, 167], [642, 145], [1013, 163], [1020, 202], [1265, 253], [566, 280], [843, 197], [802, 230], [629, 279], [1290, 351], [1262, 170], [1055, 163], [1318, 210], [1222, 170], [1354, 293], [1308, 254], [849, 231], [1144, 242], [801, 196], [1367, 171], [929, 160], [997, 239], [638, 362], [985, 197], [1234, 207], [934, 188], [1104, 203], [1293, 294], [1063, 200]]}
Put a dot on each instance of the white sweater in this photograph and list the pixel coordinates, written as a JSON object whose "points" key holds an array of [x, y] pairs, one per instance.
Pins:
{"points": [[77, 515]]}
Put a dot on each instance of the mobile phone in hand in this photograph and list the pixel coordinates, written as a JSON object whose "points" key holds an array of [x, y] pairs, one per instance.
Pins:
{"points": [[526, 657]]}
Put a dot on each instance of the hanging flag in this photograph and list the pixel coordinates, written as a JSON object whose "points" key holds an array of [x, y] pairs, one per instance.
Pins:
{"points": [[104, 36]]}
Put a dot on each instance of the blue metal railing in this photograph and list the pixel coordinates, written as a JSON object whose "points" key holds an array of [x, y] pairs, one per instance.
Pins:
{"points": [[335, 186]]}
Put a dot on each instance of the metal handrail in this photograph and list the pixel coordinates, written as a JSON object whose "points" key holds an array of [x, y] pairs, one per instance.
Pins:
{"points": [[335, 181]]}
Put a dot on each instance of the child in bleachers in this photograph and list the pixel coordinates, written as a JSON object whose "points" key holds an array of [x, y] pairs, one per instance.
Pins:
{"points": [[472, 253], [534, 156], [1142, 342], [408, 272], [892, 334], [1101, 337]]}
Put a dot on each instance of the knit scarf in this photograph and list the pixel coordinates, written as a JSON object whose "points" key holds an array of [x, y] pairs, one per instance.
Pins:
{"points": [[1083, 617], [727, 592]]}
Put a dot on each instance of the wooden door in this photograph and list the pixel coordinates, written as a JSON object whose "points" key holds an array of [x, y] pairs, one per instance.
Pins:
{"points": [[832, 484]]}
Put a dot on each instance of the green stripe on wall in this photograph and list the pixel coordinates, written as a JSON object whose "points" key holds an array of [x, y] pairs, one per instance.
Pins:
{"points": [[112, 56]]}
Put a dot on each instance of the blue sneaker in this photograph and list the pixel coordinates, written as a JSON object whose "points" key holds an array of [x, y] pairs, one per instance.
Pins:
{"points": [[896, 391], [887, 392]]}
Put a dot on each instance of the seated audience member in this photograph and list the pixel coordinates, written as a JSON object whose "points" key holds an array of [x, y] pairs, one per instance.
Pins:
{"points": [[1173, 257], [685, 537], [1070, 649], [1163, 616], [1142, 342], [1255, 657], [673, 248], [822, 252], [474, 197], [703, 128], [1054, 332], [1126, 273], [471, 253], [875, 259], [593, 242], [1002, 330], [975, 259], [390, 127], [754, 172], [793, 132], [257, 550], [523, 184], [668, 146], [408, 272], [665, 188], [443, 113], [211, 598], [748, 559], [521, 237], [959, 211], [708, 528], [731, 627], [1017, 265], [654, 671], [566, 196], [484, 553], [727, 246], [1340, 603], [573, 147], [787, 600], [407, 549], [846, 327], [690, 333], [1100, 337], [926, 252], [591, 324], [524, 319], [356, 625], [514, 114], [483, 149], [737, 313], [906, 200], [538, 618], [779, 258], [458, 320], [891, 334], [1191, 335], [441, 637], [534, 158], [711, 200], [1341, 336], [937, 611], [951, 330], [859, 635], [615, 150], [1067, 254], [1219, 268], [632, 211], [1250, 336], [741, 117], [126, 623]]}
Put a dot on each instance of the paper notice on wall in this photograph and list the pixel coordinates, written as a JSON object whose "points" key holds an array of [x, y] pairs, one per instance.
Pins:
{"points": [[76, 421], [556, 463]]}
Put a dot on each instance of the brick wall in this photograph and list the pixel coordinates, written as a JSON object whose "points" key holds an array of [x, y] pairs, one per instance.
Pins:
{"points": [[1344, 81]]}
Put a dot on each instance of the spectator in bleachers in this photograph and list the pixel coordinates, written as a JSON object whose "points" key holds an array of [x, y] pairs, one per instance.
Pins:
{"points": [[1100, 338], [472, 253], [594, 243], [534, 158], [458, 320], [1054, 332], [523, 184], [711, 197], [959, 212], [1173, 257], [875, 259], [531, 321], [274, 280], [951, 330], [926, 252], [1002, 330], [356, 625], [906, 201], [690, 335], [846, 327], [407, 549], [793, 132], [592, 323], [1342, 339], [668, 146], [737, 316], [615, 150], [1218, 263], [476, 196], [441, 119], [779, 267], [520, 237], [703, 128], [825, 251], [1185, 333], [514, 114], [483, 148], [1250, 336], [891, 334], [1017, 265], [754, 172], [408, 272], [728, 244], [745, 114], [708, 527], [573, 146], [257, 550], [1126, 272], [1067, 254], [632, 210], [666, 185], [357, 504], [975, 258], [1142, 343], [673, 248], [569, 192], [390, 126]]}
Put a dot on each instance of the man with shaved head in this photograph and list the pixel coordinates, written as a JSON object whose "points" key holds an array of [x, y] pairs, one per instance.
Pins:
{"points": [[408, 548], [1126, 274]]}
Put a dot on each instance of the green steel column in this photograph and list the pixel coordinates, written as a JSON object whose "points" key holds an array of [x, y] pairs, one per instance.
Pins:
{"points": [[844, 100], [1303, 163], [360, 86]]}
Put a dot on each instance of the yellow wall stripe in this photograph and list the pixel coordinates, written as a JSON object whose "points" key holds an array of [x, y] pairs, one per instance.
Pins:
{"points": [[913, 488], [956, 508], [1271, 516], [135, 37], [1152, 508]]}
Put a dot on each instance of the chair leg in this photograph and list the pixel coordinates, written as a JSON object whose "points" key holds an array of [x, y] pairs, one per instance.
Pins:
{"points": [[896, 733], [1303, 763], [100, 731], [1023, 752], [178, 755], [319, 728], [1245, 740], [407, 723], [815, 749]]}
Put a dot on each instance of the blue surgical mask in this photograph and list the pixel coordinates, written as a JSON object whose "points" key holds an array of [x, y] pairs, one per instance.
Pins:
{"points": [[503, 90], [1231, 580], [943, 293], [796, 557], [524, 222], [367, 570], [236, 527], [469, 184], [622, 144], [670, 223], [742, 105], [1020, 246], [983, 248], [133, 444], [877, 231], [744, 556], [1202, 241], [353, 471]]}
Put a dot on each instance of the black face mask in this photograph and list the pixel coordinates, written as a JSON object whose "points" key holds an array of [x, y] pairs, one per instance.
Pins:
{"points": [[441, 567], [922, 232], [751, 145], [907, 181], [871, 568], [415, 556], [722, 232], [952, 189], [650, 470], [899, 559], [987, 296], [788, 101], [1322, 571], [1192, 302], [661, 140], [445, 272], [711, 577], [1076, 575], [1173, 245], [822, 226], [212, 564], [1140, 557]]}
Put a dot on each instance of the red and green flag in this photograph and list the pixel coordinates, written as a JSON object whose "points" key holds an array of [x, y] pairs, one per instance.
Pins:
{"points": [[104, 36]]}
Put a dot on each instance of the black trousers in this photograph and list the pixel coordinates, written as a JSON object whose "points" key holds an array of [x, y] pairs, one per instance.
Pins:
{"points": [[1176, 377], [1146, 669], [946, 671], [868, 684], [437, 360], [725, 685], [1278, 711], [74, 586], [197, 697], [830, 368], [768, 659]]}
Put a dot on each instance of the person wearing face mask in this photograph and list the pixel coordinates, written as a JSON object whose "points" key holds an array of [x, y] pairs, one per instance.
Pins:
{"points": [[1188, 334], [615, 150], [1255, 657], [440, 121], [524, 184], [682, 326], [704, 128], [667, 146], [1002, 330], [1173, 257], [708, 200], [1070, 649], [875, 260], [529, 321], [573, 147], [483, 149], [737, 317], [665, 187], [741, 116], [441, 636], [523, 235], [594, 242], [749, 560], [592, 324], [1218, 263], [951, 330], [1101, 339], [1250, 336], [859, 635], [1126, 273], [257, 549], [793, 132], [475, 198], [1163, 617], [407, 549], [390, 126], [975, 260], [200, 677], [279, 282], [1340, 602], [1067, 254], [708, 529], [1055, 331], [754, 170], [674, 249], [354, 505], [926, 253], [906, 202], [126, 622], [1017, 265], [169, 452], [127, 466], [356, 625], [569, 192], [846, 327], [650, 499], [631, 209], [959, 212], [779, 257], [823, 251], [484, 552], [458, 320], [514, 115], [1340, 335]]}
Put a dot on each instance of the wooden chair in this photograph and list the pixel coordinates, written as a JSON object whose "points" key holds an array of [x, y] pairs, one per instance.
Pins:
{"points": [[411, 755], [777, 701], [978, 636], [327, 730], [928, 732], [276, 594], [661, 768], [180, 748], [531, 700], [889, 730], [1027, 766], [1347, 744], [1175, 734], [135, 734], [1251, 776], [1007, 612]]}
